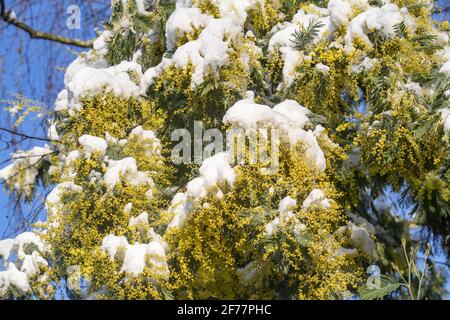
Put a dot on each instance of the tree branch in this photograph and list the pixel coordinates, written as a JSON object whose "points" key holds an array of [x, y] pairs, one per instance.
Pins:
{"points": [[24, 135], [36, 34]]}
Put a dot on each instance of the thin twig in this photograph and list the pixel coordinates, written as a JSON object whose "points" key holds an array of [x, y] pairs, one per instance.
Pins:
{"points": [[25, 135]]}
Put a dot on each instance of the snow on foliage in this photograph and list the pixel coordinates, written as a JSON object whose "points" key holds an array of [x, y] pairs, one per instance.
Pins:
{"points": [[23, 260], [119, 203]]}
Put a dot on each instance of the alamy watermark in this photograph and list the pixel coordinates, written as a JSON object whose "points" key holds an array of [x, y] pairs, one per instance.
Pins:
{"points": [[73, 21], [251, 146]]}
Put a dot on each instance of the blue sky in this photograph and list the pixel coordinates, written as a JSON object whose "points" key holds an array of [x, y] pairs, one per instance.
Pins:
{"points": [[25, 67]]}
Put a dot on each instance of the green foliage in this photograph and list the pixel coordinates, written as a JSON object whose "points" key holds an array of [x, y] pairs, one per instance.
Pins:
{"points": [[401, 30], [139, 32], [305, 35], [387, 285]]}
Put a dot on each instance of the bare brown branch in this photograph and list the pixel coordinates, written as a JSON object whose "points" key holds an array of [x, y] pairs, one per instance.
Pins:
{"points": [[36, 34]]}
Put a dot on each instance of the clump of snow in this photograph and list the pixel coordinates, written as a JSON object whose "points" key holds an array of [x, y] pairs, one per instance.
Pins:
{"points": [[445, 116], [111, 244], [283, 41], [324, 69], [15, 279], [248, 273], [285, 215], [100, 44], [53, 200], [236, 10], [23, 259], [152, 144], [289, 117], [52, 133], [342, 10], [128, 207], [316, 198], [381, 20], [5, 248], [213, 171], [140, 220], [361, 237], [360, 232], [180, 207], [84, 78], [413, 87], [209, 51], [93, 144], [21, 174], [137, 255], [366, 65], [128, 171], [445, 68], [184, 21]]}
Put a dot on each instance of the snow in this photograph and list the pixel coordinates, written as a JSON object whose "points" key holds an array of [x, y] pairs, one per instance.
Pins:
{"points": [[100, 44], [151, 144], [285, 215], [209, 51], [377, 19], [322, 68], [27, 238], [345, 251], [135, 259], [126, 169], [128, 207], [342, 10], [445, 117], [360, 232], [24, 252], [13, 278], [283, 41], [288, 116], [248, 273], [286, 204], [445, 68], [413, 87], [5, 248], [296, 115], [84, 79], [93, 144], [31, 263], [213, 171], [313, 154], [284, 37], [53, 200], [111, 244], [143, 134], [180, 207], [292, 58], [141, 219], [366, 65], [11, 14], [236, 9], [249, 115], [52, 133], [361, 237], [316, 198], [184, 21], [21, 174]]}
